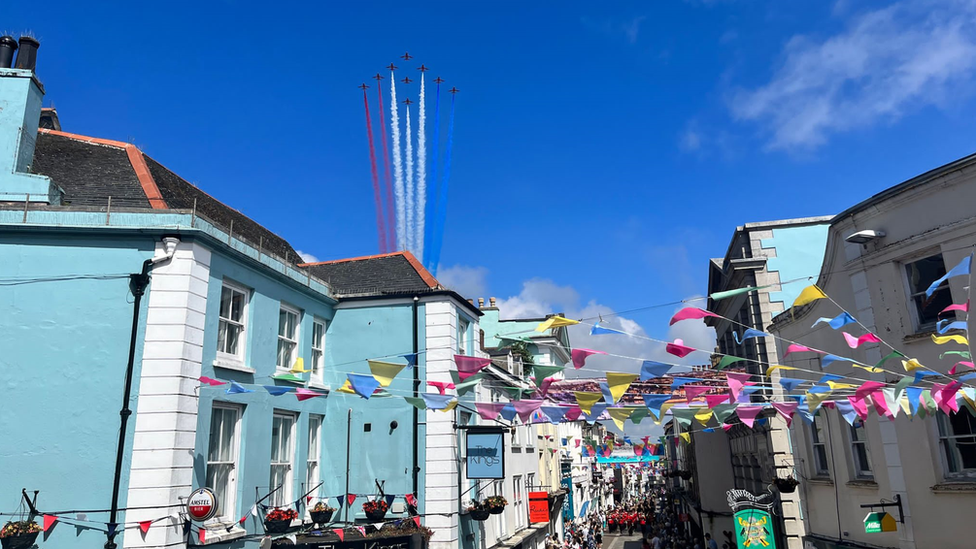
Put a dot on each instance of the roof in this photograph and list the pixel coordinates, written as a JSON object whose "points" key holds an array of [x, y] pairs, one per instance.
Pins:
{"points": [[90, 170], [392, 273]]}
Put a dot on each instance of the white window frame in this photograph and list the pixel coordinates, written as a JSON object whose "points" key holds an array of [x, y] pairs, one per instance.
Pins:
{"points": [[946, 434], [858, 436], [241, 353], [227, 500], [463, 326], [518, 490], [313, 456], [318, 353], [295, 342], [819, 438], [529, 481], [501, 525], [286, 494]]}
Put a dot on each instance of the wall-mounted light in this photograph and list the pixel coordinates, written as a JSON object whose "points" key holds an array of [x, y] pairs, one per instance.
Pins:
{"points": [[863, 237]]}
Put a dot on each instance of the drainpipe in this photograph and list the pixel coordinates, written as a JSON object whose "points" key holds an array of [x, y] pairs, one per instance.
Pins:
{"points": [[416, 394], [138, 282]]}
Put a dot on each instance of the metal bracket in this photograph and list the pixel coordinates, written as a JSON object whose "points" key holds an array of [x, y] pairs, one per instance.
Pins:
{"points": [[882, 504]]}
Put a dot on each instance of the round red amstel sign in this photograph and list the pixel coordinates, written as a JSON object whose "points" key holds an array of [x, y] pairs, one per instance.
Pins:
{"points": [[201, 505]]}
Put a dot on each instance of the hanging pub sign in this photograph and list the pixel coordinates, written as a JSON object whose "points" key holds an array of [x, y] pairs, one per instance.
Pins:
{"points": [[752, 520], [538, 507], [201, 506], [485, 450], [879, 522]]}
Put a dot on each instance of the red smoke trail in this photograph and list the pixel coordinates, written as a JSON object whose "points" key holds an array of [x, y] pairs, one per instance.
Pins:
{"points": [[380, 221], [387, 177]]}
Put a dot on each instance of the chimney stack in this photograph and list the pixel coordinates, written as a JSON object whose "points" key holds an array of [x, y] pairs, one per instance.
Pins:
{"points": [[7, 48], [481, 302], [27, 58], [471, 301], [491, 302]]}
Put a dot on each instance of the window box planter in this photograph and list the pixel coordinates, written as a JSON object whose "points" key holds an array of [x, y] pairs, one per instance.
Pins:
{"points": [[279, 521], [480, 515]]}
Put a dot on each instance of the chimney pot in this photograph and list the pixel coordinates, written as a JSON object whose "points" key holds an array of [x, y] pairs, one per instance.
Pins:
{"points": [[7, 48], [27, 58], [481, 302], [471, 301], [491, 302]]}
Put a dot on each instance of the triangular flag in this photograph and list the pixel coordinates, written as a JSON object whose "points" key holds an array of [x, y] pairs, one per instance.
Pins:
{"points": [[275, 390], [860, 406], [338, 532], [441, 386], [868, 387], [736, 382], [526, 407], [508, 412], [49, 521], [304, 394], [210, 381], [201, 534], [790, 383], [714, 400], [727, 361], [655, 402], [691, 313], [964, 364], [236, 388], [703, 416], [679, 381], [469, 365], [417, 403], [694, 391], [942, 340], [579, 356], [911, 364], [872, 369], [738, 291], [450, 406], [748, 334], [855, 342], [598, 330], [684, 416], [652, 370], [748, 414], [678, 348], [411, 359], [299, 366], [351, 498], [797, 348], [685, 437], [586, 400], [596, 411], [837, 322], [774, 367], [363, 384], [346, 388], [809, 294], [416, 520], [542, 372], [384, 372], [892, 354], [846, 409], [389, 499], [835, 385], [462, 387], [555, 413], [618, 383], [144, 525], [786, 409], [555, 322], [619, 416], [489, 410], [435, 401], [961, 269]]}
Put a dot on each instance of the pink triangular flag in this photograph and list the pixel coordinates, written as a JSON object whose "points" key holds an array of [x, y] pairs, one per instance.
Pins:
{"points": [[860, 406], [880, 405], [362, 530], [489, 410], [574, 413], [210, 381], [441, 385], [690, 313], [202, 536], [338, 532], [964, 307], [949, 395], [964, 364], [715, 400], [525, 407], [748, 414], [855, 342], [736, 382], [469, 365], [868, 387], [49, 521], [144, 525], [579, 356], [726, 427], [577, 443], [796, 348], [305, 394], [694, 391], [678, 348], [543, 389], [786, 410]]}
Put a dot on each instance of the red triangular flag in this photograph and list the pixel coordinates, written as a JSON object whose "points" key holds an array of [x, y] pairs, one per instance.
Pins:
{"points": [[49, 521], [417, 521], [144, 525], [338, 532], [203, 536], [241, 522], [350, 498], [411, 499], [308, 499]]}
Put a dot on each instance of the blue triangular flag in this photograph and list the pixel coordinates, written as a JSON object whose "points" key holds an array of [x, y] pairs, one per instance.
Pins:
{"points": [[790, 383], [968, 377], [708, 430], [595, 411], [436, 401], [509, 412], [818, 389], [913, 395], [805, 414], [411, 359], [837, 322], [364, 385], [802, 399], [651, 369], [920, 374], [606, 392], [679, 381], [389, 499], [339, 499], [236, 388], [749, 389], [597, 329], [944, 326], [961, 269], [555, 415], [627, 439], [654, 403], [830, 377], [748, 334], [762, 421], [274, 390], [112, 527], [846, 409], [827, 360]]}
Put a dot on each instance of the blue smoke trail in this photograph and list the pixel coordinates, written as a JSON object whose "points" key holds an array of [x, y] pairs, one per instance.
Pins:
{"points": [[432, 203], [442, 198]]}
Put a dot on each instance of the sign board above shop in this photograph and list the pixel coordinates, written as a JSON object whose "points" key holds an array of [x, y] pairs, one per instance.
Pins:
{"points": [[485, 452], [879, 522]]}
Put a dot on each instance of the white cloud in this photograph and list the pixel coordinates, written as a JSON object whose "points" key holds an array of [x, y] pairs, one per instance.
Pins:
{"points": [[629, 29], [885, 64], [690, 140], [307, 257], [470, 282]]}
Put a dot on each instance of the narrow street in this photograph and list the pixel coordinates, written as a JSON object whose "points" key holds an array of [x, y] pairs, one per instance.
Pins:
{"points": [[622, 542]]}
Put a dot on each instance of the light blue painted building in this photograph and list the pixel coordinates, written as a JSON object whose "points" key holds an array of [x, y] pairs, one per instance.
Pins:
{"points": [[227, 299]]}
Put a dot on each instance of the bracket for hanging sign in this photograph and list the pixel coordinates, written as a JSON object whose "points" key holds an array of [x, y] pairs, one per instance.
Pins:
{"points": [[882, 504]]}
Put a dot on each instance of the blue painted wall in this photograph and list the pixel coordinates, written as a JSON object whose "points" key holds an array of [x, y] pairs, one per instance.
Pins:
{"points": [[63, 351], [353, 336], [799, 253]]}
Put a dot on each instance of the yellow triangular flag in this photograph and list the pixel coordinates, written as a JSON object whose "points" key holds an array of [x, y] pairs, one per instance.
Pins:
{"points": [[620, 415], [911, 364], [703, 416], [906, 406], [834, 385], [346, 388], [384, 372], [619, 383], [299, 367], [942, 340], [872, 369], [586, 400], [809, 294], [815, 399], [665, 407], [555, 322], [685, 437], [450, 406], [775, 367]]}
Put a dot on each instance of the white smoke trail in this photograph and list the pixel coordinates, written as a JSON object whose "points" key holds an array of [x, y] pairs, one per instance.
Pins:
{"points": [[397, 166], [421, 173], [411, 203]]}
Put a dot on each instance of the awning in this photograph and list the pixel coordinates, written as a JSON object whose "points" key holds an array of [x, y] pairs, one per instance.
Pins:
{"points": [[586, 505]]}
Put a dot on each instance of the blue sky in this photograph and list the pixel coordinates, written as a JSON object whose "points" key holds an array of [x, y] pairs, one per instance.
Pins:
{"points": [[603, 151]]}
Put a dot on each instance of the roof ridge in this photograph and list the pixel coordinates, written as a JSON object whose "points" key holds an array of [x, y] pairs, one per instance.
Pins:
{"points": [[422, 272], [136, 160], [348, 259]]}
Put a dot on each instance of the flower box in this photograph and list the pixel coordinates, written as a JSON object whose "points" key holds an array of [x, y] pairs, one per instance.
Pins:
{"points": [[278, 521]]}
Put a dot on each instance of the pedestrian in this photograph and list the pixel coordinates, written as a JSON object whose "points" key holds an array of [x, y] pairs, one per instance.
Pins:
{"points": [[709, 542]]}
